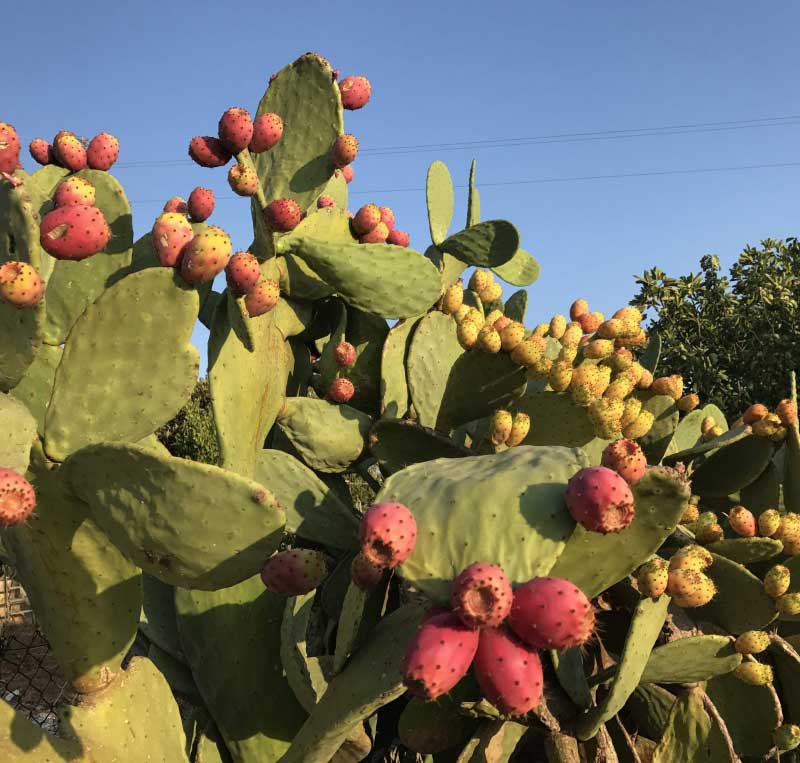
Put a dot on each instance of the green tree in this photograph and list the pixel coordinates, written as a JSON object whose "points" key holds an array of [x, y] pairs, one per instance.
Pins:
{"points": [[191, 434], [734, 337]]}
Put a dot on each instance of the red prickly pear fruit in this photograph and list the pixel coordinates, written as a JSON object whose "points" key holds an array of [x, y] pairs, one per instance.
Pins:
{"points": [[364, 573], [508, 671], [242, 273], [578, 308], [9, 148], [551, 613], [626, 458], [200, 204], [344, 354], [348, 173], [387, 217], [171, 232], [262, 297], [344, 150], [41, 151], [177, 204], [742, 521], [69, 151], [438, 656], [205, 256], [295, 572], [366, 219], [398, 237], [17, 498], [787, 413], [243, 180], [355, 92], [754, 413], [267, 132], [377, 235], [102, 152], [388, 534], [600, 500], [20, 285], [235, 129], [283, 215], [341, 391], [325, 201], [74, 233], [482, 595], [272, 78], [73, 191], [589, 322], [208, 151]]}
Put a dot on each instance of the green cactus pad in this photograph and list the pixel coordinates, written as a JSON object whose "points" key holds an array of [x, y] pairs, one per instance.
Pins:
{"points": [[382, 279], [688, 433], [521, 270], [485, 245], [313, 511], [367, 333], [787, 666], [23, 741], [398, 444], [568, 665], [240, 321], [727, 438], [115, 346], [658, 439], [329, 437], [740, 603], [337, 189], [292, 318], [652, 353], [594, 561], [394, 385], [440, 197], [427, 727], [793, 563], [516, 305], [496, 740], [158, 621], [176, 673], [747, 550], [555, 420], [449, 386], [764, 493], [371, 680], [506, 509], [36, 386], [73, 285], [300, 374], [648, 619], [791, 472], [350, 619], [231, 638], [733, 467], [473, 199], [19, 429], [691, 659], [649, 707], [326, 365], [188, 524]]}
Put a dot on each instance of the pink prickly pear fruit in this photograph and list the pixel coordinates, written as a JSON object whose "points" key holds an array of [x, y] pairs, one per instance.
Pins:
{"points": [[344, 150], [600, 500], [754, 413], [752, 642], [262, 298], [201, 204], [742, 521], [672, 386], [787, 413], [481, 595], [364, 573], [102, 152], [499, 323], [74, 233], [69, 151], [344, 354], [769, 522], [341, 391], [9, 148], [283, 215], [41, 151], [267, 132], [652, 577], [578, 308], [627, 459], [325, 201], [208, 151], [690, 588], [177, 204], [17, 498], [438, 656], [20, 285], [171, 232], [205, 256], [508, 671], [377, 235], [295, 572], [398, 237], [235, 129], [243, 180], [551, 613], [388, 534], [348, 173], [387, 217], [74, 191], [589, 322], [242, 273], [355, 92], [366, 219]]}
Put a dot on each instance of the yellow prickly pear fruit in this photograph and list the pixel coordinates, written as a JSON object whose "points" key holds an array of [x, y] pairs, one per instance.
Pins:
{"points": [[692, 557], [467, 334], [770, 426], [589, 381], [572, 335], [607, 430], [528, 352], [540, 370], [560, 375], [476, 316], [461, 313], [652, 577], [453, 298], [690, 514], [480, 280], [541, 329], [742, 521], [619, 389], [671, 386], [633, 407], [688, 402], [629, 313], [787, 413], [714, 432], [519, 429], [568, 354], [500, 427], [640, 427], [789, 533], [492, 316], [709, 533], [754, 673], [578, 308], [789, 604], [598, 348], [752, 642], [610, 329], [786, 737], [557, 327], [769, 522], [690, 588], [511, 336], [777, 581], [491, 293], [488, 339], [621, 360], [645, 380], [707, 424], [607, 413], [501, 323], [754, 413]]}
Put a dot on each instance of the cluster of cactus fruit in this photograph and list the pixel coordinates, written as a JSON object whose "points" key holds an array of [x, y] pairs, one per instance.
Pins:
{"points": [[565, 558]]}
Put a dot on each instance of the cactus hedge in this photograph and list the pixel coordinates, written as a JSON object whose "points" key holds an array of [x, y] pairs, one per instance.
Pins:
{"points": [[565, 559]]}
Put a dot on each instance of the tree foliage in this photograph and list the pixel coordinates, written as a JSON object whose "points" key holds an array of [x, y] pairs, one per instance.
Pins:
{"points": [[191, 434]]}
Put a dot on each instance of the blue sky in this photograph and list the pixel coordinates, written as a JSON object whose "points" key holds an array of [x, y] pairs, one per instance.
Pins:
{"points": [[156, 74]]}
